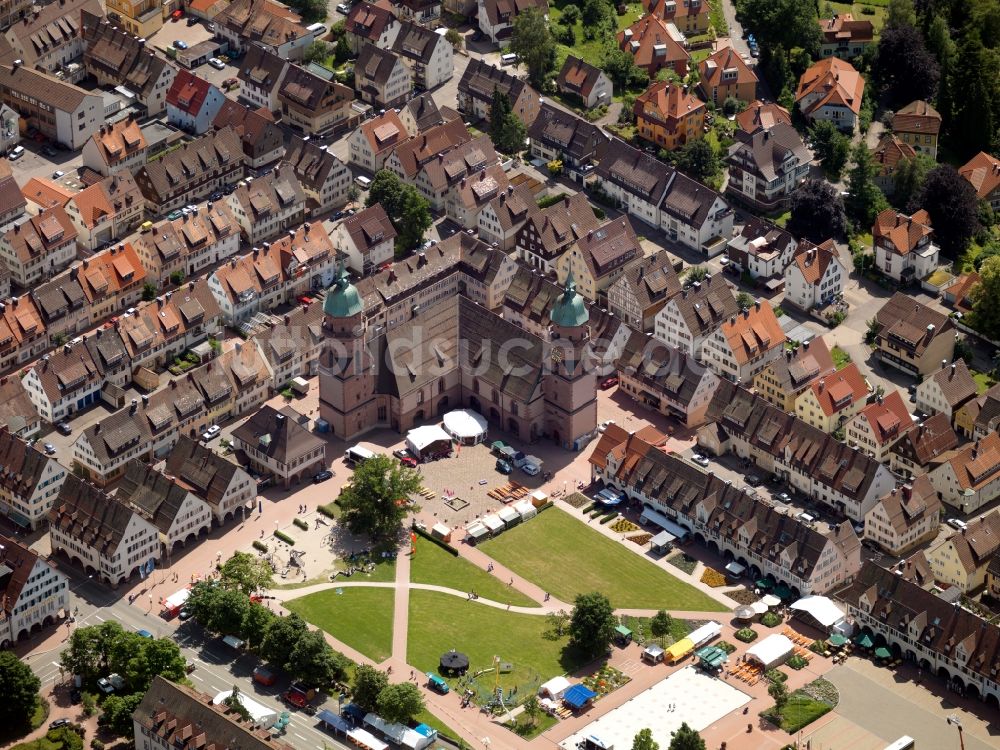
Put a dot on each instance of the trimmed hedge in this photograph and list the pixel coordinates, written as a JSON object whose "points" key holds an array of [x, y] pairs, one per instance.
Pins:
{"points": [[608, 518], [746, 635], [259, 545], [327, 510], [548, 504], [589, 508], [284, 537], [301, 524], [439, 542]]}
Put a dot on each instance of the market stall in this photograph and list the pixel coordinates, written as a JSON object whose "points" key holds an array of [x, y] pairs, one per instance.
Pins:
{"points": [[772, 651], [428, 441], [466, 426], [476, 532]]}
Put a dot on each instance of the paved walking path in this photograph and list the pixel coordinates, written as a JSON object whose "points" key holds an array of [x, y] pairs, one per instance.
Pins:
{"points": [[401, 612]]}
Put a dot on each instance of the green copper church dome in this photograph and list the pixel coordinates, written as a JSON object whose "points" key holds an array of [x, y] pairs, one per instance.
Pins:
{"points": [[342, 298], [569, 309]]}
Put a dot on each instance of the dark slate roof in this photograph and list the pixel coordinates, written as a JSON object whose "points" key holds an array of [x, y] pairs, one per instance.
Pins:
{"points": [[278, 434], [568, 133], [89, 515], [200, 469], [480, 79], [157, 497]]}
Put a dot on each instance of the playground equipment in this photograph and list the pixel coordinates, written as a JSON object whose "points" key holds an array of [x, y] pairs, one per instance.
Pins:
{"points": [[495, 689]]}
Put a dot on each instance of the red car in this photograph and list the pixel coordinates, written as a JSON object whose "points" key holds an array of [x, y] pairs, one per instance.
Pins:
{"points": [[609, 382]]}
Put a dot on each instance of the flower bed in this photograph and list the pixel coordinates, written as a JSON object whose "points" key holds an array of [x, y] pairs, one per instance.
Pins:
{"points": [[804, 706], [576, 500], [641, 539], [775, 675], [684, 562], [606, 680], [742, 596], [623, 525], [797, 662], [713, 578], [747, 635]]}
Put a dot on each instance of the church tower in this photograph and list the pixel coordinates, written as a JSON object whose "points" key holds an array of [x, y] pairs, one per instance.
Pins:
{"points": [[346, 367], [570, 384]]}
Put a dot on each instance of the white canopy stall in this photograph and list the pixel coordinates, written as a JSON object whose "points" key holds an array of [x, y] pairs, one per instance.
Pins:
{"points": [[526, 509], [466, 426], [427, 440], [509, 516], [493, 523], [820, 609], [704, 634], [260, 714], [771, 651], [555, 687]]}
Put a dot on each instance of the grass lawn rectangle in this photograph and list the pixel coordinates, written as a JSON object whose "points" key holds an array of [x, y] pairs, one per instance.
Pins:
{"points": [[566, 558], [360, 617], [800, 711], [439, 623], [591, 50], [426, 717], [431, 564]]}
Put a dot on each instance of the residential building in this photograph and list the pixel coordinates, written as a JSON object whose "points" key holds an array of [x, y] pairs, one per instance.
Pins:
{"points": [[262, 139], [941, 639], [228, 490], [689, 16], [60, 111], [99, 533], [923, 447], [654, 45], [982, 171], [11, 11], [467, 197], [115, 148], [811, 461], [39, 247], [48, 38], [38, 194], [961, 560], [844, 36], [381, 78], [23, 335], [438, 166], [192, 172], [877, 427], [912, 337], [744, 344], [480, 80], [64, 382], [428, 55], [33, 593], [107, 210], [264, 22], [904, 518], [292, 344], [13, 202], [180, 516], [600, 258], [30, 482], [918, 125], [904, 245], [419, 11], [117, 58], [324, 178], [17, 411], [314, 105], [551, 231], [724, 75], [421, 113], [141, 18], [366, 239], [969, 478], [193, 102], [277, 444], [831, 89], [267, 206], [111, 280], [761, 116], [171, 714], [588, 82], [108, 353], [643, 289], [725, 519], [828, 403], [371, 23], [765, 168], [373, 140], [557, 135], [261, 74], [188, 245], [958, 294], [889, 152], [496, 17], [979, 416], [781, 381], [992, 588], [762, 250], [946, 390], [688, 319], [502, 218], [667, 115], [815, 277], [205, 9]]}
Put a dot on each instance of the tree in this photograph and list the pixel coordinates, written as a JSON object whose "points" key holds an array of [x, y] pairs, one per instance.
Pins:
{"points": [[158, 656], [246, 573], [986, 298], [506, 129], [455, 39], [533, 44], [342, 51], [744, 301], [177, 278], [975, 97], [789, 24], [317, 52], [353, 194], [597, 16], [116, 713], [368, 684], [779, 694], [234, 701], [408, 210], [685, 738], [643, 740], [697, 159], [375, 501], [229, 608], [831, 146], [622, 70], [311, 11], [399, 703], [904, 67], [864, 198], [817, 212], [255, 624], [570, 14], [89, 650], [908, 179], [900, 13], [313, 661], [281, 637], [558, 622], [18, 692], [953, 207], [661, 624], [592, 624], [148, 291]]}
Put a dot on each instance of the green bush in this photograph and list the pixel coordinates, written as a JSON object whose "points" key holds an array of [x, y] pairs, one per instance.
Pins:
{"points": [[747, 635], [589, 508], [284, 537], [259, 545], [796, 662], [775, 675], [96, 744], [328, 510], [818, 647], [550, 200], [770, 620], [301, 524], [609, 517], [433, 539]]}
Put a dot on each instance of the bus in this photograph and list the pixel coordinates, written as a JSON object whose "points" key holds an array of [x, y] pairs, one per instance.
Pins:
{"points": [[357, 455], [903, 743]]}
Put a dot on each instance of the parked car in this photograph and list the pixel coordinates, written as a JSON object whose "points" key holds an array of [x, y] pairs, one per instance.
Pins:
{"points": [[180, 44], [530, 469], [322, 476], [409, 461], [184, 615], [437, 684], [211, 432], [230, 83], [782, 497], [58, 174], [754, 481], [58, 723], [503, 467], [264, 676], [958, 524], [700, 459], [174, 215], [49, 449], [216, 63], [610, 382], [344, 8], [143, 633], [48, 150]]}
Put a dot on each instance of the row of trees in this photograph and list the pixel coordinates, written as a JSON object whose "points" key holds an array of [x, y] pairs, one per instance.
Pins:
{"points": [[98, 650], [372, 691]]}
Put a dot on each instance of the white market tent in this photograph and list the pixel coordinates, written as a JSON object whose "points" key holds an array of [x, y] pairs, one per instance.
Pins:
{"points": [[466, 426], [759, 607], [399, 734], [525, 509], [261, 714], [476, 531], [538, 497], [771, 651], [176, 600], [493, 523], [426, 438], [734, 568], [821, 609], [364, 738], [509, 516], [705, 633], [555, 687]]}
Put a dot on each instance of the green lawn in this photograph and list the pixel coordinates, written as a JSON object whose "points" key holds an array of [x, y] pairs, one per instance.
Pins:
{"points": [[566, 558], [431, 564], [855, 9], [439, 623], [841, 359], [984, 381], [360, 617], [426, 717], [800, 711], [591, 50], [678, 628], [543, 722]]}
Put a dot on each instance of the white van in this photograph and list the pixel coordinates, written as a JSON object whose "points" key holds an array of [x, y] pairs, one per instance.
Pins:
{"points": [[363, 182], [806, 518], [508, 59], [16, 153], [233, 642], [358, 454]]}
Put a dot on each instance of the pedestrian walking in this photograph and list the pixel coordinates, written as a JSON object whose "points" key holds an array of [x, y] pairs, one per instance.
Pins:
{"points": [[511, 582], [546, 596], [508, 606]]}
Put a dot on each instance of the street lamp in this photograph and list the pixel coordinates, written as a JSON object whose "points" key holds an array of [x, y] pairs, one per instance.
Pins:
{"points": [[956, 722]]}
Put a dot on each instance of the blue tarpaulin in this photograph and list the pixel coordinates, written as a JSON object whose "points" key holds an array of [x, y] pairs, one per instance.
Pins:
{"points": [[578, 696], [332, 719]]}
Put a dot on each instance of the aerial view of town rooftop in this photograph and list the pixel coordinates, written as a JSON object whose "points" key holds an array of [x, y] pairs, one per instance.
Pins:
{"points": [[499, 375]]}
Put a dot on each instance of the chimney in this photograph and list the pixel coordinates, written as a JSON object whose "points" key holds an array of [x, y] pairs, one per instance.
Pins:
{"points": [[97, 428], [173, 384], [944, 363], [822, 384], [953, 366]]}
